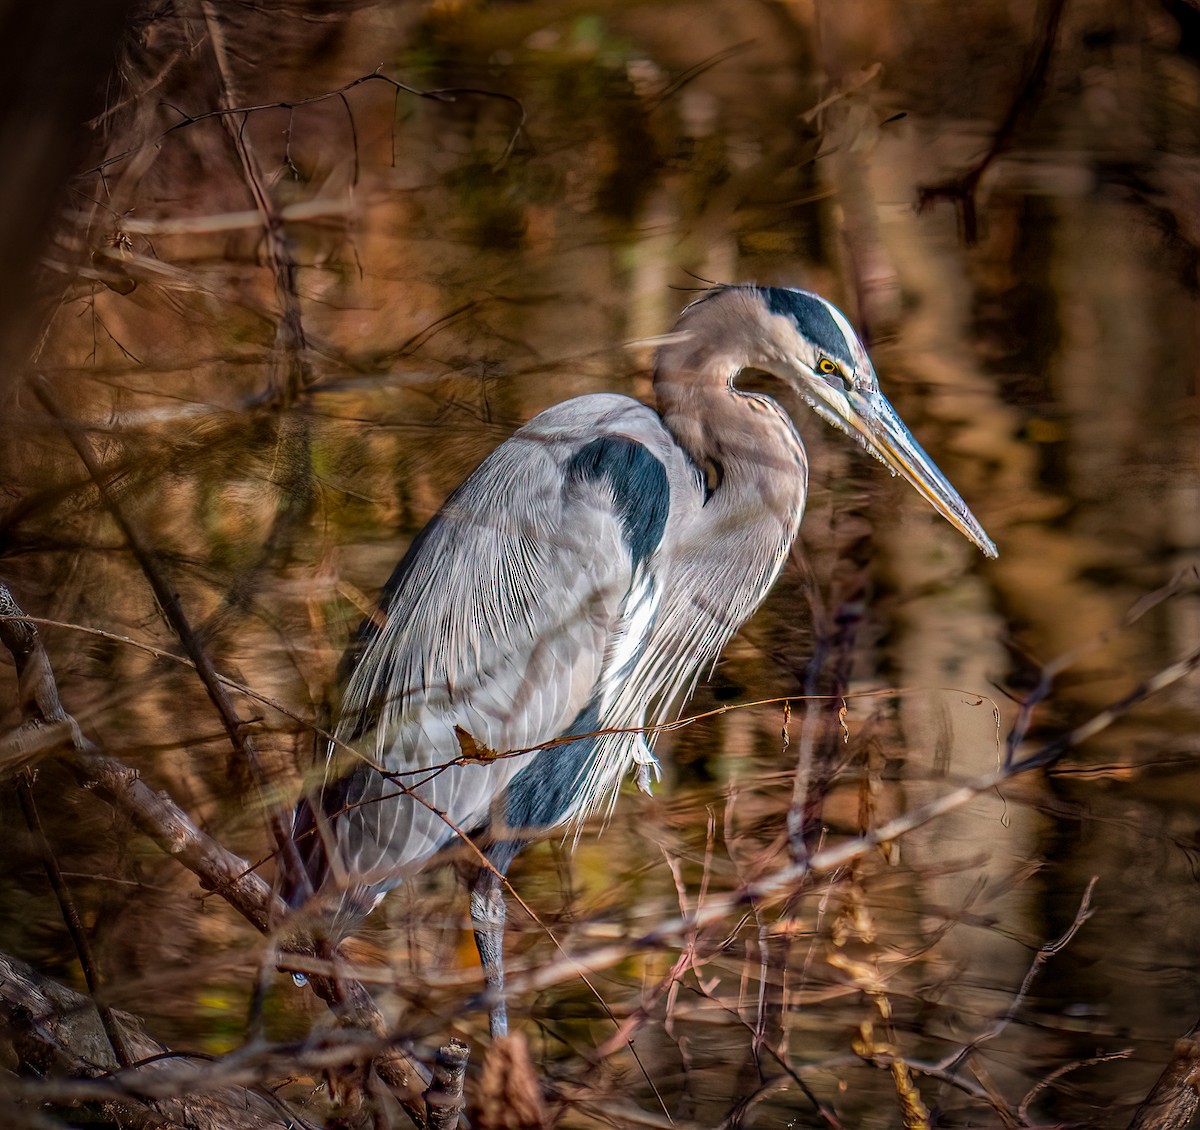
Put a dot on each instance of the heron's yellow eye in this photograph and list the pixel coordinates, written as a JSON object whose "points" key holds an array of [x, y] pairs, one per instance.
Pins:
{"points": [[833, 369]]}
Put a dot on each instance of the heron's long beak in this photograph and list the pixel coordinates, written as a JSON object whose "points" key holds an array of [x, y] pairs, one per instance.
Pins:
{"points": [[871, 418]]}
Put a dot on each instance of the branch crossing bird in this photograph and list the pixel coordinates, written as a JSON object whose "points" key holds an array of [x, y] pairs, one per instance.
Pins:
{"points": [[580, 581]]}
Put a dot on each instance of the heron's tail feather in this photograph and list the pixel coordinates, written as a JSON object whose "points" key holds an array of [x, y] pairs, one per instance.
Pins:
{"points": [[304, 872]]}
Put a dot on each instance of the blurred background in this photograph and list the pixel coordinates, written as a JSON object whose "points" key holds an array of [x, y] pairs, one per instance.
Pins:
{"points": [[285, 305]]}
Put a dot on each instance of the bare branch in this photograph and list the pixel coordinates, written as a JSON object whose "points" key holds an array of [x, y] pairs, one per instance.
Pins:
{"points": [[289, 370], [57, 1031], [75, 928], [1173, 1102], [153, 813], [1066, 1069], [962, 190], [1044, 953], [444, 1097], [446, 94], [172, 608], [218, 869]]}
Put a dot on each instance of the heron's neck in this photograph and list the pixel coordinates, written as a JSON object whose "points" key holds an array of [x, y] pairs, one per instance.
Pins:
{"points": [[744, 444]]}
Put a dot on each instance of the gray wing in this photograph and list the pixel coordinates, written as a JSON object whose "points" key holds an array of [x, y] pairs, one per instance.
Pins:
{"points": [[514, 618]]}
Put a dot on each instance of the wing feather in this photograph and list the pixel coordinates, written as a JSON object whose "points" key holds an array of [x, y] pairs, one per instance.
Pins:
{"points": [[500, 621]]}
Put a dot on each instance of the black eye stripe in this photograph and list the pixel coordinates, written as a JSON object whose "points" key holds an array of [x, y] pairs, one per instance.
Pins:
{"points": [[812, 318]]}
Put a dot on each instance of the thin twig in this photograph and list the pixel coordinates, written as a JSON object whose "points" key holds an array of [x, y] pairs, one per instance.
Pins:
{"points": [[445, 94], [1066, 1069], [1049, 672], [1044, 953], [172, 608], [66, 904], [963, 188], [289, 372]]}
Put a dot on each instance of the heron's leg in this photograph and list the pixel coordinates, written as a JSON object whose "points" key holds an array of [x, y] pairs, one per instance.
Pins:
{"points": [[487, 919]]}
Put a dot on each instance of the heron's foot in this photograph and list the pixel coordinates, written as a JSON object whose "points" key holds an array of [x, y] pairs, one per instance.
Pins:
{"points": [[648, 771], [488, 914], [498, 1020]]}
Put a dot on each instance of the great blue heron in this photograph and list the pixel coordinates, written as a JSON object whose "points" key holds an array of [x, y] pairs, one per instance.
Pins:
{"points": [[579, 581]]}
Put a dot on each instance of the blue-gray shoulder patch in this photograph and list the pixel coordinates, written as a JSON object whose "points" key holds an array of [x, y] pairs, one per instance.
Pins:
{"points": [[638, 480]]}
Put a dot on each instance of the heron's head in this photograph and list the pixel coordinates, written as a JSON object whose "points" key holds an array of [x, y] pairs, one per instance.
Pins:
{"points": [[810, 345]]}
